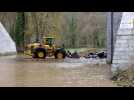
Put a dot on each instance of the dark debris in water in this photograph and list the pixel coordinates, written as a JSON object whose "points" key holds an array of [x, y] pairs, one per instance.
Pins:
{"points": [[73, 55], [100, 55], [124, 78]]}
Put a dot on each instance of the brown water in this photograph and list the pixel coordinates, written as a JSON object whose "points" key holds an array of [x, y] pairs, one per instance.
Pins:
{"points": [[19, 72]]}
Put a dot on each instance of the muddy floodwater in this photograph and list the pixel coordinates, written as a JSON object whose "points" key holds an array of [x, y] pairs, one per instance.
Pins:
{"points": [[17, 71]]}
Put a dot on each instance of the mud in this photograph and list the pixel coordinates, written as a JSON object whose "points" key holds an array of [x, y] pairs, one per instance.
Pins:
{"points": [[17, 71]]}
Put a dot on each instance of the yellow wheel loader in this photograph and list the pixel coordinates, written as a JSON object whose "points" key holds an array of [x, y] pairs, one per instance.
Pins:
{"points": [[46, 48]]}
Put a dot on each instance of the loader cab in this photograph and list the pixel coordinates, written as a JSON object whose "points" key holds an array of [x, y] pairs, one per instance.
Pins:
{"points": [[49, 40]]}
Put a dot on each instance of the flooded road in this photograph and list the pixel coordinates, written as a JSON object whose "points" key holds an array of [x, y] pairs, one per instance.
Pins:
{"points": [[15, 71]]}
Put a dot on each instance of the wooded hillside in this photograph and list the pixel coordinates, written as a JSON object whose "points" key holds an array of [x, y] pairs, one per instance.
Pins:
{"points": [[74, 29]]}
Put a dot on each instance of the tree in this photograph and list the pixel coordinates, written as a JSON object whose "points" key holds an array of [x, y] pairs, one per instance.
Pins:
{"points": [[8, 19], [75, 29], [70, 34], [19, 30], [73, 26]]}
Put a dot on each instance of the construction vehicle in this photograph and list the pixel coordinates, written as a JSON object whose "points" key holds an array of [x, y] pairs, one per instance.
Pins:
{"points": [[46, 49]]}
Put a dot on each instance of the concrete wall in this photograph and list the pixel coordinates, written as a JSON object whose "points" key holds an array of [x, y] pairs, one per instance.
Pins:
{"points": [[7, 45], [116, 23], [124, 44], [112, 27]]}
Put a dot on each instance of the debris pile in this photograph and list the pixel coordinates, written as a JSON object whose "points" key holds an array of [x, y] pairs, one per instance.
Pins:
{"points": [[100, 55], [124, 78]]}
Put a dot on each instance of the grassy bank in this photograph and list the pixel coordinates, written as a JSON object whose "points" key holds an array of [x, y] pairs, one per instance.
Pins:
{"points": [[77, 49], [84, 49]]}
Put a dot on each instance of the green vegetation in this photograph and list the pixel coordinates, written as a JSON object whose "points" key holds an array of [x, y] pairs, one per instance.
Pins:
{"points": [[73, 29], [77, 49], [19, 30]]}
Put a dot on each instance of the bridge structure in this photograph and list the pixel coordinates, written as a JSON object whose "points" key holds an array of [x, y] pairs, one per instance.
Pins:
{"points": [[120, 39]]}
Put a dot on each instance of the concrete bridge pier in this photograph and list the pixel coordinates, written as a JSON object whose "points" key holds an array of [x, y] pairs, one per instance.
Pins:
{"points": [[7, 45], [123, 55]]}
